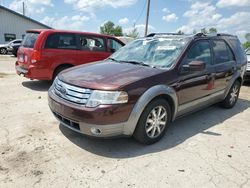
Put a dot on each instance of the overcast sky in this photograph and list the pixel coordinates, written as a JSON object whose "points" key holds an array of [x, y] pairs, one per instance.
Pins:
{"points": [[230, 16]]}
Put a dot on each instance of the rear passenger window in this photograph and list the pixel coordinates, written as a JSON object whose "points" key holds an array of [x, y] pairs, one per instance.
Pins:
{"points": [[61, 41], [91, 43], [222, 52], [200, 51], [113, 45]]}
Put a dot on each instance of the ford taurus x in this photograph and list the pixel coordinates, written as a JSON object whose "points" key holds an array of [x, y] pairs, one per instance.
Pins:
{"points": [[148, 83]]}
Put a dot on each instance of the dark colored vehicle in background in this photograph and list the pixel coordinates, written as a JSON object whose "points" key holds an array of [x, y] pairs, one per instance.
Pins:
{"points": [[14, 48], [45, 53], [5, 48], [148, 83], [247, 74]]}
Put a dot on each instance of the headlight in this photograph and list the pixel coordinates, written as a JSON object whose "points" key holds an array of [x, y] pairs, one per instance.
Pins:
{"points": [[106, 97]]}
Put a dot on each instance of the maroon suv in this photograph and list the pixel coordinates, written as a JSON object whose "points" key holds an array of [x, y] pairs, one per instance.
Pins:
{"points": [[149, 83]]}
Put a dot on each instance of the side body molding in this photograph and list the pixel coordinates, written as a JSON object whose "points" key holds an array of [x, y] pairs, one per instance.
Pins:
{"points": [[143, 101]]}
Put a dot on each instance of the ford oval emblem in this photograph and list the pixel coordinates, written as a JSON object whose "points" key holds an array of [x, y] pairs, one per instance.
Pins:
{"points": [[63, 90]]}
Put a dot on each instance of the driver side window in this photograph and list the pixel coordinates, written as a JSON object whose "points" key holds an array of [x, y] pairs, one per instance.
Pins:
{"points": [[200, 51]]}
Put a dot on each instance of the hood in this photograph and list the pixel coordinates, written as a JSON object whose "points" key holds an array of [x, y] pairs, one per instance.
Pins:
{"points": [[3, 45], [106, 75]]}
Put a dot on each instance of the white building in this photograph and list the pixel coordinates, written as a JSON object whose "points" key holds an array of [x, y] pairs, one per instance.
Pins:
{"points": [[14, 25]]}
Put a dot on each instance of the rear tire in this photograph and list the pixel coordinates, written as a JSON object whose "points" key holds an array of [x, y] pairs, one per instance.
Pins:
{"points": [[232, 96], [153, 122], [60, 69]]}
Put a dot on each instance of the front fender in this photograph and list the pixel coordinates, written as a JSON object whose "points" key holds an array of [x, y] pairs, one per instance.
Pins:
{"points": [[144, 100]]}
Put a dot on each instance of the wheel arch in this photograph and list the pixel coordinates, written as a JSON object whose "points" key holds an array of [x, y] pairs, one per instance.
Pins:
{"points": [[67, 65], [159, 91]]}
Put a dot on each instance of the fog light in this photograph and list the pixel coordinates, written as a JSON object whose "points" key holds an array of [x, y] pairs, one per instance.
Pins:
{"points": [[95, 131]]}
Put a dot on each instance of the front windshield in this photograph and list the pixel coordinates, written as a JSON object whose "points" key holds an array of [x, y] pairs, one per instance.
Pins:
{"points": [[156, 52]]}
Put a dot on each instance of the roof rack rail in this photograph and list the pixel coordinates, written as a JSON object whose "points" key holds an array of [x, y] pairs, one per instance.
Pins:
{"points": [[212, 34], [200, 35], [154, 34]]}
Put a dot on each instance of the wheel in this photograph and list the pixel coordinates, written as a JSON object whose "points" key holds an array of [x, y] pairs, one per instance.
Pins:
{"points": [[3, 51], [232, 96], [60, 69], [153, 122]]}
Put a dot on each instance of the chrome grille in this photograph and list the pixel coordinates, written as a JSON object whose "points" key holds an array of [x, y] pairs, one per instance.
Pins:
{"points": [[71, 93]]}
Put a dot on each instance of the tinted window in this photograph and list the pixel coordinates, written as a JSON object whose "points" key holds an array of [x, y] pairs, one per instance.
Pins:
{"points": [[222, 52], [91, 43], [238, 49], [113, 45], [17, 41], [29, 40], [200, 51], [61, 41]]}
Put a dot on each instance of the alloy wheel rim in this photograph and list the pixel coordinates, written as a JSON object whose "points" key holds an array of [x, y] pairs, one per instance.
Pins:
{"points": [[156, 121], [234, 94]]}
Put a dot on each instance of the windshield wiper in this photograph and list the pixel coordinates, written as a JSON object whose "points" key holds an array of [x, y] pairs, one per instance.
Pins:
{"points": [[139, 63], [113, 59]]}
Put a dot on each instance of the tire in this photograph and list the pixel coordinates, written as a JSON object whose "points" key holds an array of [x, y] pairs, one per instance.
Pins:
{"points": [[60, 69], [3, 51], [150, 130], [232, 96]]}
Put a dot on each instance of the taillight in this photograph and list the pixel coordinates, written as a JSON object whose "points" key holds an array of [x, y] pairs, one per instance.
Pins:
{"points": [[35, 56]]}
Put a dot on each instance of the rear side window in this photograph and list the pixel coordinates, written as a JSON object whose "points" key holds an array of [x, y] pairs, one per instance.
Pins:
{"points": [[238, 49], [222, 52], [29, 40], [61, 41]]}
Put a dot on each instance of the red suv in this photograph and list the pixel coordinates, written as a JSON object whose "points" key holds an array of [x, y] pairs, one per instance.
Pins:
{"points": [[45, 53]]}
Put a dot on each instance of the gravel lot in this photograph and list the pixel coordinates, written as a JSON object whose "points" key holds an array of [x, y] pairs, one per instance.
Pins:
{"points": [[210, 148]]}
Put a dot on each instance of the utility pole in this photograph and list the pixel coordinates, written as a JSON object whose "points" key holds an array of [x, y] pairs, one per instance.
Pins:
{"points": [[146, 26], [23, 9]]}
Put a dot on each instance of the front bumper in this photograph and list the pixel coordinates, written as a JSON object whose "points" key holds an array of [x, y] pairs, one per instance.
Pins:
{"points": [[103, 122]]}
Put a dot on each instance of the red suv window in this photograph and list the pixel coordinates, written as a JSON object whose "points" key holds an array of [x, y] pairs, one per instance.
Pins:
{"points": [[61, 41]]}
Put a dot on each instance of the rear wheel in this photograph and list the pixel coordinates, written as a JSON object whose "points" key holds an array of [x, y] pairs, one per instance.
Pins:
{"points": [[3, 51], [153, 122], [60, 69], [232, 96]]}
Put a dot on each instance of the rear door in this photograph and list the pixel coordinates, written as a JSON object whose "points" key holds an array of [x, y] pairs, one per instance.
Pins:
{"points": [[59, 48], [91, 48], [224, 64]]}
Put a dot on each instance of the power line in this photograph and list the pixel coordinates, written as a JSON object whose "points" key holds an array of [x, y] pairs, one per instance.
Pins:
{"points": [[139, 16]]}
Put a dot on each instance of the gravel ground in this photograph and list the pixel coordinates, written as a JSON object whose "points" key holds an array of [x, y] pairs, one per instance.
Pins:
{"points": [[210, 148]]}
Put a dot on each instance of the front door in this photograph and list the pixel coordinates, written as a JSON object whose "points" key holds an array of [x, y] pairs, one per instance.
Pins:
{"points": [[193, 86], [92, 48]]}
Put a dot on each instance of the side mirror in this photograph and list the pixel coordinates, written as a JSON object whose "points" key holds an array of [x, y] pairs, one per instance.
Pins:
{"points": [[194, 66]]}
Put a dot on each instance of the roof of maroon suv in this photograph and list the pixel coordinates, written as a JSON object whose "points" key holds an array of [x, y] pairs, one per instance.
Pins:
{"points": [[68, 31]]}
